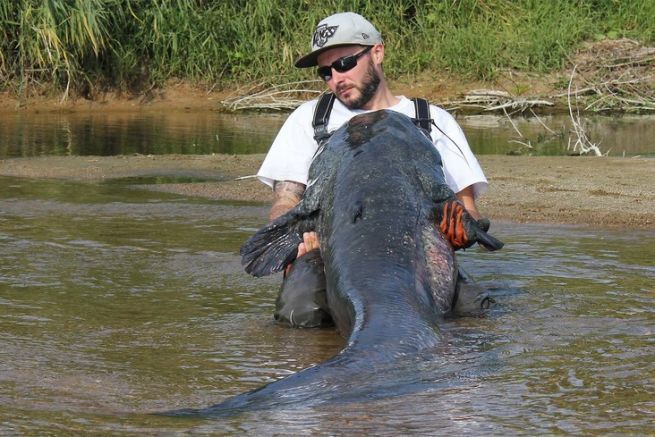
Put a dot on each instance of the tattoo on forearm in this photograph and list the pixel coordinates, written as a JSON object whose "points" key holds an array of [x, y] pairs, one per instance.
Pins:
{"points": [[285, 196], [288, 189]]}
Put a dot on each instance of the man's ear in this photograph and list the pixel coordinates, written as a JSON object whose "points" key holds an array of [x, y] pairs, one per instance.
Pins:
{"points": [[377, 53]]}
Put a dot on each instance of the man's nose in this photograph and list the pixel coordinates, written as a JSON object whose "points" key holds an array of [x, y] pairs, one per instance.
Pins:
{"points": [[338, 77]]}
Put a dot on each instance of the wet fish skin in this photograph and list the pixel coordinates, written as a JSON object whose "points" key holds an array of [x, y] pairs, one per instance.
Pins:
{"points": [[372, 196]]}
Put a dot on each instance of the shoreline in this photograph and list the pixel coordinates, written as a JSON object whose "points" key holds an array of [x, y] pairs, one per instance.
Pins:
{"points": [[518, 90], [598, 192]]}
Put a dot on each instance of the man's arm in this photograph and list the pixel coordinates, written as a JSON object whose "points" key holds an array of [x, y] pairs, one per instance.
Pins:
{"points": [[467, 197], [286, 195]]}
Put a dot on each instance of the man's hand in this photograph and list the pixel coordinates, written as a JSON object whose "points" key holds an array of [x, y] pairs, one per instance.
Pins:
{"points": [[309, 243], [462, 230]]}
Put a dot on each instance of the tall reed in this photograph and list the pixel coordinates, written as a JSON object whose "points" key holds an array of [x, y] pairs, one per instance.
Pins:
{"points": [[137, 44]]}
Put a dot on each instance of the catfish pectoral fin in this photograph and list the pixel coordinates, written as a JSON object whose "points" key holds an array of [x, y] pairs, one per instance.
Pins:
{"points": [[270, 249]]}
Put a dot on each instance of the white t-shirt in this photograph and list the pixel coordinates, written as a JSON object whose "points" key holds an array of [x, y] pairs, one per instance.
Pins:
{"points": [[292, 151]]}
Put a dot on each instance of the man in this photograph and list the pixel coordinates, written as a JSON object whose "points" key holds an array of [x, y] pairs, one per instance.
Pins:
{"points": [[349, 51]]}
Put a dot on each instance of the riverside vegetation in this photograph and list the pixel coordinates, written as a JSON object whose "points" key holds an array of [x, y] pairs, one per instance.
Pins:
{"points": [[86, 47]]}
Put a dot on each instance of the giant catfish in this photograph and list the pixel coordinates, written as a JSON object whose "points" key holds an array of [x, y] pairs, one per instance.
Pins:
{"points": [[373, 196]]}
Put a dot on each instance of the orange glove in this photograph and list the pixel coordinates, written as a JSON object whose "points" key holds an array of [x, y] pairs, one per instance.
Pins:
{"points": [[454, 223], [462, 230]]}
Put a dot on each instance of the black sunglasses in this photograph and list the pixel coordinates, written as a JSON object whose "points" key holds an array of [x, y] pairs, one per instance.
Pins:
{"points": [[341, 65]]}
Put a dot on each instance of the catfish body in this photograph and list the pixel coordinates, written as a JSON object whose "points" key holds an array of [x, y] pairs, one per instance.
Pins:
{"points": [[389, 273]]}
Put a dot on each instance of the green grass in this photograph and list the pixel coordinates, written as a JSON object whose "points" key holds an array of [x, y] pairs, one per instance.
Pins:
{"points": [[93, 45]]}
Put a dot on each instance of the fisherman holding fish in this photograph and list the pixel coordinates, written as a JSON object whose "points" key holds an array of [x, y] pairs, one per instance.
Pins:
{"points": [[348, 51]]}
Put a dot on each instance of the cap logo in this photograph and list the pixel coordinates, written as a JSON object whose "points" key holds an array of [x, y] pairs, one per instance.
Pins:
{"points": [[323, 34]]}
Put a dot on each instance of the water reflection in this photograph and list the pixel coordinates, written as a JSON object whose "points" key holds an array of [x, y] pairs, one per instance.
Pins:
{"points": [[26, 135], [627, 135], [124, 133]]}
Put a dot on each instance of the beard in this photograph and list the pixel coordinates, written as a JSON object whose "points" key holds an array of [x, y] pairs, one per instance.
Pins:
{"points": [[367, 89]]}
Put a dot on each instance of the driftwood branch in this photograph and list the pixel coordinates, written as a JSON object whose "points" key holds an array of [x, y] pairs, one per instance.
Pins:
{"points": [[541, 122], [582, 144], [522, 140], [578, 142], [495, 100], [525, 143], [273, 97], [615, 75]]}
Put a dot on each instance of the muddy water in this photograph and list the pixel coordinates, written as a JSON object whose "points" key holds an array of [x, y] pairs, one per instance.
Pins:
{"points": [[24, 134], [116, 303]]}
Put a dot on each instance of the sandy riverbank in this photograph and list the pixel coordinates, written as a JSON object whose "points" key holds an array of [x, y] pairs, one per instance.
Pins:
{"points": [[591, 191]]}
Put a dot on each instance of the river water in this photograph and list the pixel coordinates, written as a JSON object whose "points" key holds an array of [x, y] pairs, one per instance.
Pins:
{"points": [[118, 302], [124, 133]]}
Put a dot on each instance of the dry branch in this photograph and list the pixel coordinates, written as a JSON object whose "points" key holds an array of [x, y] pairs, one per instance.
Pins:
{"points": [[273, 97], [495, 100], [615, 75], [582, 144]]}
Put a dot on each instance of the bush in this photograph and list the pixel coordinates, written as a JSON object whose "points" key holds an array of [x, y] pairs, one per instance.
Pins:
{"points": [[134, 45]]}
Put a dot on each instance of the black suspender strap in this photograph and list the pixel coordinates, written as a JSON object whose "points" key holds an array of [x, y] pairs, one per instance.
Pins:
{"points": [[424, 121], [324, 108], [422, 111], [322, 116]]}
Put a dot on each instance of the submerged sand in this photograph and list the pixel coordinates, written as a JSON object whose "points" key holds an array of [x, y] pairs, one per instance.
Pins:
{"points": [[590, 191]]}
